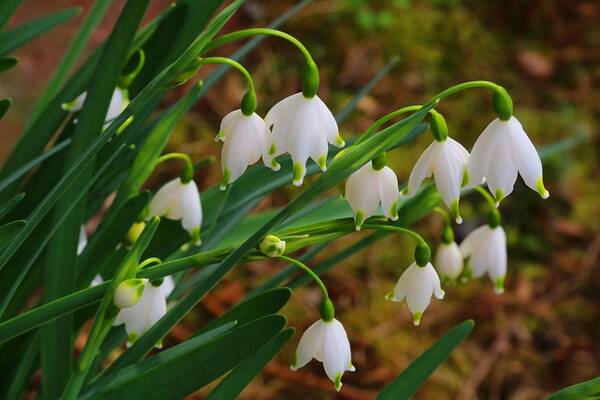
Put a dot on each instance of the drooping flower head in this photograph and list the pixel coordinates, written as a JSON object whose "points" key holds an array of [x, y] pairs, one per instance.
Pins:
{"points": [[327, 342], [485, 251], [447, 161], [302, 127], [449, 261], [179, 201], [369, 187], [417, 284], [502, 151], [245, 140], [146, 311], [118, 102]]}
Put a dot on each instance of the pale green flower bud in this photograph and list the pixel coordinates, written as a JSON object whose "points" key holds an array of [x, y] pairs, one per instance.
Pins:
{"points": [[129, 292], [272, 246]]}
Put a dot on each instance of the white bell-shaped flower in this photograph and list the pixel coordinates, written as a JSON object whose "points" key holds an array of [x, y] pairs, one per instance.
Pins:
{"points": [[245, 140], [367, 188], [417, 284], [179, 201], [485, 249], [146, 312], [328, 343], [302, 127], [118, 102], [447, 161], [449, 261], [502, 150], [82, 240]]}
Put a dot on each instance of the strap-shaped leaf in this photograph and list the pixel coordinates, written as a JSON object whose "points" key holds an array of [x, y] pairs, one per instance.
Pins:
{"points": [[242, 375], [8, 231], [4, 106], [584, 390], [7, 8], [10, 204], [20, 35], [183, 369], [409, 381], [7, 63]]}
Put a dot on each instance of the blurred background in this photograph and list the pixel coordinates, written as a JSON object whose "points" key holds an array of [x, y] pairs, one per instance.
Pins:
{"points": [[542, 333]]}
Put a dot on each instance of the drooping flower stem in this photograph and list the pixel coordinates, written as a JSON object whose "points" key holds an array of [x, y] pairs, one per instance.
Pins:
{"points": [[148, 261], [187, 173], [327, 310], [249, 101], [310, 74], [494, 217], [422, 251], [447, 233]]}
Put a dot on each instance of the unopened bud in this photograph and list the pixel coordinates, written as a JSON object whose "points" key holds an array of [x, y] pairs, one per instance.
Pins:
{"points": [[272, 246], [134, 232], [129, 292]]}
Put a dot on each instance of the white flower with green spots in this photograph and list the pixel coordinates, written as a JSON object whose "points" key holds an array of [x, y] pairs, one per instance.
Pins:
{"points": [[417, 285], [303, 128], [502, 151], [485, 251], [447, 161], [179, 201], [327, 342], [367, 188], [245, 140]]}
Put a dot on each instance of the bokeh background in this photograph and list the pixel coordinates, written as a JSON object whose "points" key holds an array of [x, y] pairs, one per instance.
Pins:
{"points": [[539, 336]]}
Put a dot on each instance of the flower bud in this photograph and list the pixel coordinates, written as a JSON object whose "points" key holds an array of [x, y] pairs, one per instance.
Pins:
{"points": [[129, 292], [134, 232], [272, 246]]}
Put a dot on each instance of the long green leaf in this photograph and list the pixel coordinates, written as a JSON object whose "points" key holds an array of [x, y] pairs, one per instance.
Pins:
{"points": [[7, 8], [409, 381], [183, 369], [7, 63], [22, 34], [8, 231], [4, 106], [584, 390], [60, 270], [242, 375], [10, 204]]}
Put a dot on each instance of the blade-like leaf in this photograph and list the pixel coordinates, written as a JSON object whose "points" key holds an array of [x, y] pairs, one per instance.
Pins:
{"points": [[4, 106], [7, 63], [408, 382], [584, 390], [20, 35], [10, 204], [8, 231], [7, 8], [183, 369], [242, 375]]}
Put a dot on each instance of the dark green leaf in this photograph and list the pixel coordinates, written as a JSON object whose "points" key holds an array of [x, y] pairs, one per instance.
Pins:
{"points": [[10, 204], [584, 390], [4, 106], [242, 375], [7, 8], [409, 381], [185, 368], [7, 63], [20, 35], [8, 231]]}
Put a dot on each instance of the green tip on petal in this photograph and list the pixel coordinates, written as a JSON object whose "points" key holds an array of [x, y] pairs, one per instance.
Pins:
{"points": [[195, 234], [131, 337], [125, 124], [338, 382], [499, 285], [394, 211], [466, 179], [390, 296], [275, 165], [541, 189], [298, 176], [220, 136], [359, 218], [272, 149], [456, 212], [323, 162], [417, 318], [404, 192], [225, 180], [294, 365], [499, 196], [339, 142]]}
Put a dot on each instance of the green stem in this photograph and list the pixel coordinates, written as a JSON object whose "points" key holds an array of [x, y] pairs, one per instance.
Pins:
{"points": [[494, 217], [187, 174], [447, 233], [310, 75], [465, 86], [309, 272], [488, 197], [149, 261], [418, 238], [249, 101]]}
